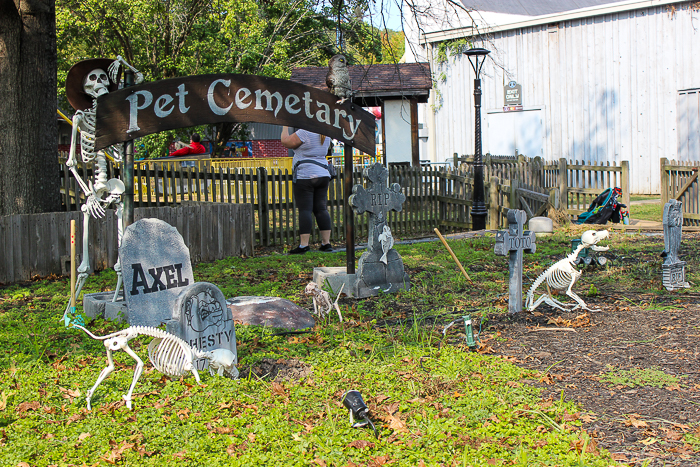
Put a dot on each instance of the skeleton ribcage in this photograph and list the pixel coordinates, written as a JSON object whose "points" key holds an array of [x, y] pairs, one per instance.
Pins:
{"points": [[559, 279], [172, 357]]}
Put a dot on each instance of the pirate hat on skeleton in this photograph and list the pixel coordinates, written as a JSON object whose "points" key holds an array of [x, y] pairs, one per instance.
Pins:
{"points": [[77, 97]]}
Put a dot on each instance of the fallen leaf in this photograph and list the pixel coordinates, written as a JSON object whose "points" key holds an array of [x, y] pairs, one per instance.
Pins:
{"points": [[115, 455], [251, 437], [180, 455], [83, 436], [361, 444], [320, 462], [635, 421], [26, 406], [278, 389], [649, 441], [233, 449]]}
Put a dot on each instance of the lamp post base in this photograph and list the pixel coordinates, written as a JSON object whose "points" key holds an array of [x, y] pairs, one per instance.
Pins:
{"points": [[479, 213]]}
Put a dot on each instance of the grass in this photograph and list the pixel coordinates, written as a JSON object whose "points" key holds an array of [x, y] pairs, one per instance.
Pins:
{"points": [[639, 377], [432, 400]]}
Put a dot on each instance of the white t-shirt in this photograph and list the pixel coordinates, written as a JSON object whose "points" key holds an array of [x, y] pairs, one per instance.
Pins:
{"points": [[311, 148]]}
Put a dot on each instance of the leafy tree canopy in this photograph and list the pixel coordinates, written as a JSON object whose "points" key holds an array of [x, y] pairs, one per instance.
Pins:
{"points": [[170, 38]]}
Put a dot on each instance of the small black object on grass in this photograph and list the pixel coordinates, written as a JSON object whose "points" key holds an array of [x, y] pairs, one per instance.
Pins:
{"points": [[359, 412]]}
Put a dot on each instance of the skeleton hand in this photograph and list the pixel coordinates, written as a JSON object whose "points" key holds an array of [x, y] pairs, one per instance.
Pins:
{"points": [[114, 70], [94, 206]]}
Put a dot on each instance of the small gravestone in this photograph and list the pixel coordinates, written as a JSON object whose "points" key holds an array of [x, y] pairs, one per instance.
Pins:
{"points": [[513, 242], [156, 268], [202, 319], [380, 268], [270, 312], [673, 268]]}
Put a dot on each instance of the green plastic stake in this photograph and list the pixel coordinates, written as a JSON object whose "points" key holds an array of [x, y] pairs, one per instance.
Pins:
{"points": [[469, 332]]}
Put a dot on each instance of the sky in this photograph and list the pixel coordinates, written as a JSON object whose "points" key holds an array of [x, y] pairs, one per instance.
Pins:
{"points": [[392, 15]]}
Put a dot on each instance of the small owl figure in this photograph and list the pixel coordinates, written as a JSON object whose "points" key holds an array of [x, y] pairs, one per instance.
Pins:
{"points": [[338, 78]]}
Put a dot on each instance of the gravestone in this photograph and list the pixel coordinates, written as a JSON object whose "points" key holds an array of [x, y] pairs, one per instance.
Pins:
{"points": [[201, 318], [273, 312], [673, 268], [380, 268], [513, 242], [156, 268]]}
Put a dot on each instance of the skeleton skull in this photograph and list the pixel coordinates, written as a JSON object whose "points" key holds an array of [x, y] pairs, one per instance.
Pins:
{"points": [[590, 238], [96, 83]]}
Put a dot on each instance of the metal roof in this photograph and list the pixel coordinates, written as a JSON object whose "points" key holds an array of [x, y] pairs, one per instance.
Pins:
{"points": [[532, 7]]}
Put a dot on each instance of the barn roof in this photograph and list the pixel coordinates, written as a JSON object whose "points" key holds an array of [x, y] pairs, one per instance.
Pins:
{"points": [[375, 83], [532, 7]]}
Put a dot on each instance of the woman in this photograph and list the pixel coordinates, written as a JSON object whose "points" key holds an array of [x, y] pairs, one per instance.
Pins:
{"points": [[311, 178]]}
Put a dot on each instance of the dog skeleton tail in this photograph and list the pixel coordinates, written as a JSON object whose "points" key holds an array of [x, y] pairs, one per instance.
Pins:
{"points": [[531, 293]]}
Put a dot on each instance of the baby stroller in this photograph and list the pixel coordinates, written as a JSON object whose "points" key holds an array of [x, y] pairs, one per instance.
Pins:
{"points": [[605, 208]]}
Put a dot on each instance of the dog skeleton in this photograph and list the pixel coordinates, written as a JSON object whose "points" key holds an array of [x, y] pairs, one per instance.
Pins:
{"points": [[322, 300], [563, 274], [169, 354]]}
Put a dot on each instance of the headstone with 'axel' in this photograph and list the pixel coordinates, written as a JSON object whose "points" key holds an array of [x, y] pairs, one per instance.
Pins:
{"points": [[513, 242], [156, 268]]}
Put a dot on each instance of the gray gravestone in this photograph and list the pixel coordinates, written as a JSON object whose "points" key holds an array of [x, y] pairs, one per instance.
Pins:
{"points": [[380, 268], [202, 319], [673, 268], [273, 312], [156, 267], [513, 242]]}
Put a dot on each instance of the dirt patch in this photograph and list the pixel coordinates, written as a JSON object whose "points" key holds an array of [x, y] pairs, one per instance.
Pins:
{"points": [[277, 370], [633, 368]]}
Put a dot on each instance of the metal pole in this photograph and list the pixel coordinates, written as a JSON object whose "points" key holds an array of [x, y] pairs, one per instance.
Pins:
{"points": [[347, 210], [128, 166], [478, 206]]}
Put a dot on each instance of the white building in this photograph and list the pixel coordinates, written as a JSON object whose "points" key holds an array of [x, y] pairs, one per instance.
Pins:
{"points": [[600, 81]]}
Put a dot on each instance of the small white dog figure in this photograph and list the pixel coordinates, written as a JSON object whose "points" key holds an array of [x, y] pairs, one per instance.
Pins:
{"points": [[322, 300]]}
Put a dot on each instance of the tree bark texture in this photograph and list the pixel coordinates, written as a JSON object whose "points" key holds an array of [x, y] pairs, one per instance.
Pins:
{"points": [[29, 170]]}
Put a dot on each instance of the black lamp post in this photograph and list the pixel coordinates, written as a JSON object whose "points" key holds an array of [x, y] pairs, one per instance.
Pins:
{"points": [[477, 58]]}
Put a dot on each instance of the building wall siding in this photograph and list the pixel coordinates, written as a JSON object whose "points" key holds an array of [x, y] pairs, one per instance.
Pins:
{"points": [[608, 86]]}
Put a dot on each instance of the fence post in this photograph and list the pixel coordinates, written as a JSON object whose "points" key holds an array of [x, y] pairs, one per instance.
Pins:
{"points": [[563, 184], [493, 203], [665, 181], [513, 202], [625, 182], [263, 207]]}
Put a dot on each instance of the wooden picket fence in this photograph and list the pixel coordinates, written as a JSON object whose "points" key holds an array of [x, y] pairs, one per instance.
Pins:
{"points": [[680, 182], [39, 244], [534, 184]]}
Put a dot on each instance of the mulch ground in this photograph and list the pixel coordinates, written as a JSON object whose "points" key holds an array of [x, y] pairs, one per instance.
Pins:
{"points": [[636, 423]]}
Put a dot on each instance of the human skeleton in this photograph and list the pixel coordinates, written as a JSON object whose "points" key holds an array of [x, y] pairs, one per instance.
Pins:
{"points": [[322, 300], [563, 274], [102, 192], [169, 354]]}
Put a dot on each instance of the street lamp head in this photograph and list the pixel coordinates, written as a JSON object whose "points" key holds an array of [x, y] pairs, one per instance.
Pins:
{"points": [[474, 55]]}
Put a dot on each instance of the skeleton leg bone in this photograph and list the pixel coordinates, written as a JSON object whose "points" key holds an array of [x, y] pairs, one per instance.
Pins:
{"points": [[103, 374], [137, 373], [85, 263]]}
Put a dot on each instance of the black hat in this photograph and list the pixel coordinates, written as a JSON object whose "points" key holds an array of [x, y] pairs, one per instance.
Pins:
{"points": [[78, 98]]}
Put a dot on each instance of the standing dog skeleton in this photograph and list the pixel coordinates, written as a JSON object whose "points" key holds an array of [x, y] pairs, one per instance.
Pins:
{"points": [[87, 81]]}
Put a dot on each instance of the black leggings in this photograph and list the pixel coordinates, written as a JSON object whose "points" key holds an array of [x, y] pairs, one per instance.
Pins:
{"points": [[311, 196]]}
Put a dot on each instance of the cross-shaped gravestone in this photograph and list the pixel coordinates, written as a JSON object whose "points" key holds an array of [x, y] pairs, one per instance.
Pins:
{"points": [[380, 268], [514, 242]]}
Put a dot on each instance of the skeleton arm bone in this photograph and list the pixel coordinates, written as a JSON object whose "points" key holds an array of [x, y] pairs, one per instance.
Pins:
{"points": [[114, 70], [72, 162]]}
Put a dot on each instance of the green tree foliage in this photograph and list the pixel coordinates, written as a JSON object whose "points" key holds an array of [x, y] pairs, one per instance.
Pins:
{"points": [[170, 38]]}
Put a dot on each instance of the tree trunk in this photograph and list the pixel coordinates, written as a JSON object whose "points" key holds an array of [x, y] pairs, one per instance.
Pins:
{"points": [[29, 170]]}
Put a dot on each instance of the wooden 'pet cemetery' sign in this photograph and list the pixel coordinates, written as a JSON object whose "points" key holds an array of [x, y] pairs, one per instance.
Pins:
{"points": [[197, 100]]}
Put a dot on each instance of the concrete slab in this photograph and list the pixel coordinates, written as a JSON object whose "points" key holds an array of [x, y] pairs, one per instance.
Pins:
{"points": [[100, 305], [334, 278]]}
